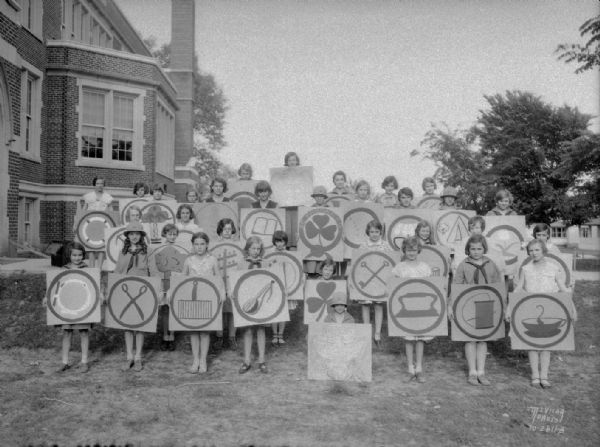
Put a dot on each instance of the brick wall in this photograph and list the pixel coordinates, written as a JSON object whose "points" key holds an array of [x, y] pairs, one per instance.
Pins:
{"points": [[14, 170]]}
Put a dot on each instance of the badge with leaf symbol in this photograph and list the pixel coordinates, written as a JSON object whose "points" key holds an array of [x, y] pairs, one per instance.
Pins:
{"points": [[320, 231], [319, 296]]}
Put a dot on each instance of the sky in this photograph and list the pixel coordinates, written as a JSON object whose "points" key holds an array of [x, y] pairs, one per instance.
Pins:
{"points": [[356, 85]]}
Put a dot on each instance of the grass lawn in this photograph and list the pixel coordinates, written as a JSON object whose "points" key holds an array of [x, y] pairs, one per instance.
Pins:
{"points": [[163, 405]]}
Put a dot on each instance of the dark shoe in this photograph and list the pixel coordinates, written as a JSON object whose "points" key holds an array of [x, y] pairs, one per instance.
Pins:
{"points": [[263, 368], [244, 368], [63, 368], [83, 367], [472, 380], [164, 345], [232, 343], [545, 383], [420, 377]]}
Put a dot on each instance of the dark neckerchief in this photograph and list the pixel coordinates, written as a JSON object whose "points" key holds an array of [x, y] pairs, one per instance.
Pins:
{"points": [[254, 263], [134, 257], [479, 268]]}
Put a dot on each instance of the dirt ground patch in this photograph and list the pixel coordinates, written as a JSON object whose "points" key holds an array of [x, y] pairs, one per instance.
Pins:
{"points": [[165, 406]]}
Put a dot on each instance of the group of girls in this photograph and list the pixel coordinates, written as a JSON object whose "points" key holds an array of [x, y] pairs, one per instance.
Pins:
{"points": [[477, 268]]}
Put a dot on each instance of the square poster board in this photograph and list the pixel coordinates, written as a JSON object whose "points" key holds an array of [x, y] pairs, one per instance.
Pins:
{"points": [[339, 352], [505, 237], [208, 215], [258, 297], [155, 215], [195, 303], [356, 217], [478, 312], [73, 296], [261, 222], [242, 192], [369, 273], [320, 233], [541, 321], [91, 227], [230, 257], [451, 228], [292, 186], [401, 223], [417, 307], [132, 302], [319, 294]]}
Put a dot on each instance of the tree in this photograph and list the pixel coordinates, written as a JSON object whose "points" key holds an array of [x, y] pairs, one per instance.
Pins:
{"points": [[523, 144], [588, 55]]}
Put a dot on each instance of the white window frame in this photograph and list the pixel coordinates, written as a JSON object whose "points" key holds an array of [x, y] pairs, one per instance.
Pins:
{"points": [[31, 16], [32, 224], [165, 141], [137, 156], [31, 119]]}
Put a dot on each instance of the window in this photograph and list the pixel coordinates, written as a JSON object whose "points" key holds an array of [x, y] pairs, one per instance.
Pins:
{"points": [[165, 140], [31, 110], [111, 126], [31, 16], [559, 232], [29, 220], [584, 231]]}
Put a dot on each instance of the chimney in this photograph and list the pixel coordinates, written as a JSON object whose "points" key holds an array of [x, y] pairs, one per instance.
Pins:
{"points": [[181, 72]]}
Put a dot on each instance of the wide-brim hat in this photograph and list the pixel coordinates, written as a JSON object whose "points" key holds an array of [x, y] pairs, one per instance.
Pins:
{"points": [[449, 191], [338, 298], [319, 191], [134, 227]]}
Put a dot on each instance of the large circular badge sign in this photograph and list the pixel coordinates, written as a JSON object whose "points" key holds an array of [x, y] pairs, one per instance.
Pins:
{"points": [[156, 215], [132, 302], [259, 296], [292, 270], [540, 321], [479, 312], [125, 211], [437, 259], [416, 306], [507, 240], [230, 257], [243, 198], [429, 202], [92, 227], [558, 261], [355, 222], [369, 273], [320, 230], [72, 296], [262, 223], [401, 228], [169, 258], [195, 303], [338, 199], [452, 228]]}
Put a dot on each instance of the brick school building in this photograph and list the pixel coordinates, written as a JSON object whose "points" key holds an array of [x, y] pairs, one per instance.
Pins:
{"points": [[80, 96]]}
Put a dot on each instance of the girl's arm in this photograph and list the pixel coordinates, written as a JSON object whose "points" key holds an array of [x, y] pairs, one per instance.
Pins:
{"points": [[520, 284], [560, 279]]}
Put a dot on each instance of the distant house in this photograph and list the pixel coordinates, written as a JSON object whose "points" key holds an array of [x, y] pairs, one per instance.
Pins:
{"points": [[589, 235], [80, 96]]}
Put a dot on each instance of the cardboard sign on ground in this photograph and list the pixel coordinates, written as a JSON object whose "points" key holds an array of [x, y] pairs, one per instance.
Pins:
{"points": [[417, 307], [132, 302], [73, 296], [478, 312], [541, 321], [339, 352]]}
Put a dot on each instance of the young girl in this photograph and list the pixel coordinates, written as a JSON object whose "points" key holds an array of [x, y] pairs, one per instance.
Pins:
{"points": [[254, 251], [200, 263], [428, 184], [544, 277], [542, 231], [410, 267], [320, 195], [97, 200], [218, 187], [140, 190], [503, 203], [339, 181], [226, 232], [424, 232], [133, 260], [448, 197], [363, 191], [205, 192], [405, 197], [263, 191], [157, 191], [76, 253], [340, 314], [280, 241], [133, 214], [291, 160], [374, 241], [388, 198], [169, 233], [327, 268], [185, 219], [245, 171], [191, 196], [476, 269]]}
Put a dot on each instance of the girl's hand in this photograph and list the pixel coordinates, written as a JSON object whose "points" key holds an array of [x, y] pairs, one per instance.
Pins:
{"points": [[507, 316], [450, 314], [44, 301]]}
